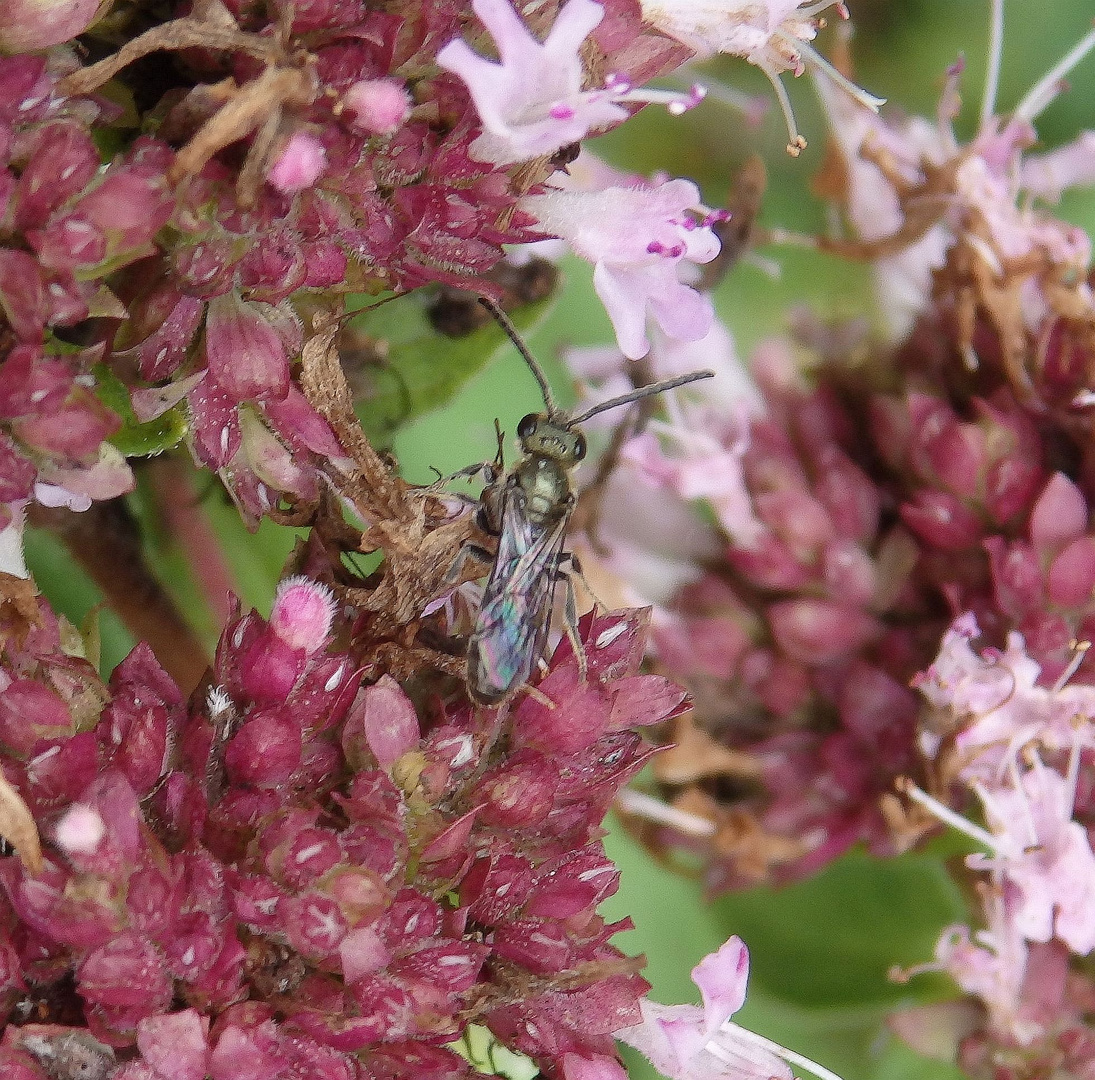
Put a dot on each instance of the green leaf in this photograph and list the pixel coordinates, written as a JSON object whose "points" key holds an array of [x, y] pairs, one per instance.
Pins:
{"points": [[423, 369], [136, 439], [832, 940]]}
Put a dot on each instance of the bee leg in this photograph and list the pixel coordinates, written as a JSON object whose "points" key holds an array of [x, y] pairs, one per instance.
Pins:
{"points": [[468, 551], [570, 619], [489, 469], [575, 567]]}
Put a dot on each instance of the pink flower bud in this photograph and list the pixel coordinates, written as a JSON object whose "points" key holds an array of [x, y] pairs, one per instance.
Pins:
{"points": [[1010, 486], [941, 520], [379, 105], [22, 294], [62, 160], [175, 1044], [1059, 515], [128, 972], [1016, 575], [848, 494], [518, 794], [849, 572], [30, 25], [1071, 576], [363, 953], [386, 717], [817, 631], [300, 164], [302, 614]]}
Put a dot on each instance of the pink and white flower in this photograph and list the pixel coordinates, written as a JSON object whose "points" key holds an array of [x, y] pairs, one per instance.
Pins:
{"points": [[637, 238], [531, 103]]}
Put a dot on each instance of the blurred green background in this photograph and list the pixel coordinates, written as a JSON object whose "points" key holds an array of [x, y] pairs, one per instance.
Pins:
{"points": [[820, 951]]}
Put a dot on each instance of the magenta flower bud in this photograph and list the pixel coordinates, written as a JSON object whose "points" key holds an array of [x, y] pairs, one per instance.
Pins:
{"points": [[62, 159], [245, 1054], [386, 718], [22, 294], [265, 751], [379, 106], [1016, 575], [175, 1044], [30, 712], [1047, 636], [314, 925], [175, 319], [300, 164], [17, 473], [217, 435], [579, 718], [848, 494], [956, 455], [770, 564], [363, 953], [206, 269], [74, 431], [128, 209], [1059, 515], [1010, 486], [818, 631], [542, 947], [849, 572], [30, 25], [246, 355], [941, 520], [269, 668], [453, 966], [782, 685], [298, 423], [273, 270], [1071, 576], [700, 646], [798, 519], [325, 263], [61, 771], [125, 972], [68, 243], [302, 613], [518, 793]]}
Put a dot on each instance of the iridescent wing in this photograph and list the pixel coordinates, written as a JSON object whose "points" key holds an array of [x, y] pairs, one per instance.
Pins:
{"points": [[515, 614]]}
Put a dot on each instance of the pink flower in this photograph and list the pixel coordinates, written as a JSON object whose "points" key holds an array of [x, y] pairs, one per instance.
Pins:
{"points": [[1045, 855], [636, 237], [773, 35], [532, 102], [687, 1042]]}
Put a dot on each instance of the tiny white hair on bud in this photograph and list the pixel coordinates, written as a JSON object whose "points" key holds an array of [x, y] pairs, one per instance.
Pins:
{"points": [[218, 701]]}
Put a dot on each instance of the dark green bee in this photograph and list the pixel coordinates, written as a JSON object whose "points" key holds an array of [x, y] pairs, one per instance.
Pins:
{"points": [[529, 508]]}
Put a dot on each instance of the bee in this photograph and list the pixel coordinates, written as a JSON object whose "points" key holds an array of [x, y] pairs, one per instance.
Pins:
{"points": [[529, 508]]}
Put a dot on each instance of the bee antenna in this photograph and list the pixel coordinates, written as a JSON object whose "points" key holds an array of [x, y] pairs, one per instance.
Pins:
{"points": [[503, 321], [641, 392]]}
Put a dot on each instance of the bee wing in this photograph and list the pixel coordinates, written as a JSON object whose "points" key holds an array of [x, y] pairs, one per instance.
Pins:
{"points": [[515, 614]]}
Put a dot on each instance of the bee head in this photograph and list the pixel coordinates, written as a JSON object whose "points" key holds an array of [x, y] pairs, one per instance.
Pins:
{"points": [[542, 436]]}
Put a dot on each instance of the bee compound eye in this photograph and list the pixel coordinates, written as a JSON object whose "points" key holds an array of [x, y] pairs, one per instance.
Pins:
{"points": [[527, 425], [579, 446]]}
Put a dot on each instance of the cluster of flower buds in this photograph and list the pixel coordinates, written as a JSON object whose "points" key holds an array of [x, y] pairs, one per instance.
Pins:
{"points": [[302, 876]]}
